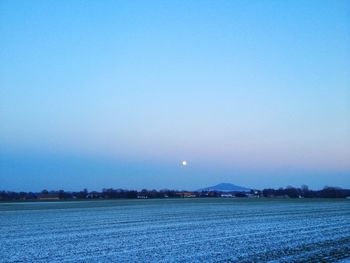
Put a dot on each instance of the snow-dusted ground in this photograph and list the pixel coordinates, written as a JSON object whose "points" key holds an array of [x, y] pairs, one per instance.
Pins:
{"points": [[176, 230]]}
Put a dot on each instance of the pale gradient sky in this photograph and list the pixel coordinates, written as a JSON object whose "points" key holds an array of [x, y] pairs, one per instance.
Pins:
{"points": [[117, 93]]}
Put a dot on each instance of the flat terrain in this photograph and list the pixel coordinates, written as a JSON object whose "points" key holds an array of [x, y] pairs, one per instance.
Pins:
{"points": [[170, 230]]}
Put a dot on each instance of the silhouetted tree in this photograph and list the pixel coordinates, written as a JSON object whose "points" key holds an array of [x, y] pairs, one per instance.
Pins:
{"points": [[332, 192]]}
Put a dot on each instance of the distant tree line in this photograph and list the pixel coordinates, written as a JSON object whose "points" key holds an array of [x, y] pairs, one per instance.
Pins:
{"points": [[107, 193], [305, 192], [110, 193]]}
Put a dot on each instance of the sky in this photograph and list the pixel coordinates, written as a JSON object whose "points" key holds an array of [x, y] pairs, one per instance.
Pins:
{"points": [[99, 94]]}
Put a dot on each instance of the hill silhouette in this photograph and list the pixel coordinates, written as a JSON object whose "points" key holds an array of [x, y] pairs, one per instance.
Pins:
{"points": [[225, 187]]}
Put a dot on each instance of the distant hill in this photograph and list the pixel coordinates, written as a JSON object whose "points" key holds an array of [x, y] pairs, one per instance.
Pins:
{"points": [[225, 187]]}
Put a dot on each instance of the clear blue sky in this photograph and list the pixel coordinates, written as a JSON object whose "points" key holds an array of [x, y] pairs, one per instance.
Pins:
{"points": [[117, 93]]}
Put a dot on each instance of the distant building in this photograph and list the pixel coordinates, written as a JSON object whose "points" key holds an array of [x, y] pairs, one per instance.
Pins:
{"points": [[48, 197], [186, 194], [227, 195]]}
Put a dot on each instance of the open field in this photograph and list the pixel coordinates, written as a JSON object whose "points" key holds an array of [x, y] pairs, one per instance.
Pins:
{"points": [[186, 230]]}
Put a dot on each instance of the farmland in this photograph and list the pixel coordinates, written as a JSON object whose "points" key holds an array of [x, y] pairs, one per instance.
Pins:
{"points": [[165, 230]]}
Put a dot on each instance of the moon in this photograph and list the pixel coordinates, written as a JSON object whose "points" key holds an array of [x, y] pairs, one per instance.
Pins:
{"points": [[184, 163]]}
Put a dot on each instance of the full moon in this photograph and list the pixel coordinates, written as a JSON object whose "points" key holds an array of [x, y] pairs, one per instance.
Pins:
{"points": [[184, 163]]}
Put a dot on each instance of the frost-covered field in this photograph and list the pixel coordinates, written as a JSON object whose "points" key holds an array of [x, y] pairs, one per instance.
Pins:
{"points": [[174, 230]]}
